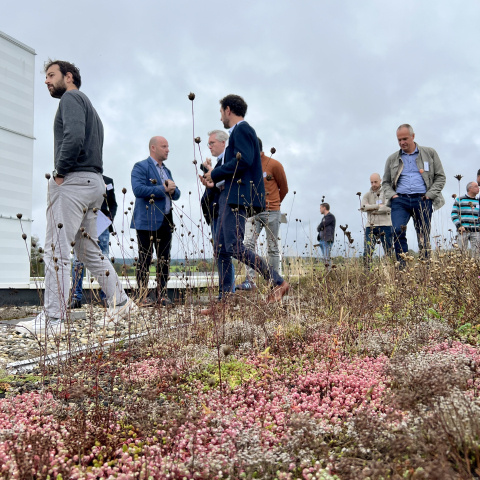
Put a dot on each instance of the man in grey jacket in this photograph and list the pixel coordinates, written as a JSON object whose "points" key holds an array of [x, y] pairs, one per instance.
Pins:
{"points": [[413, 183], [75, 194], [379, 222]]}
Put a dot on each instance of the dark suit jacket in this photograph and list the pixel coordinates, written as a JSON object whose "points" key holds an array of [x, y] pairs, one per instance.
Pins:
{"points": [[209, 202], [243, 177], [147, 185], [109, 205]]}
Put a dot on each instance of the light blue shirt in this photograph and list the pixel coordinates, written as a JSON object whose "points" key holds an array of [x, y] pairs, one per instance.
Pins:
{"points": [[164, 176], [410, 180], [231, 129]]}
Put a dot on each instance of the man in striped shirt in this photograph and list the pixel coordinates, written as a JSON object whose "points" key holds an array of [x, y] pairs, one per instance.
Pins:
{"points": [[465, 217]]}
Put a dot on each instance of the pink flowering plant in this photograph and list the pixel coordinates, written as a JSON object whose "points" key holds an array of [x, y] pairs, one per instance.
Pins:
{"points": [[351, 379]]}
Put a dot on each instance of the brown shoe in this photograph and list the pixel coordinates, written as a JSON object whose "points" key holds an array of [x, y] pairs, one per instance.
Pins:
{"points": [[217, 306], [207, 311], [278, 292]]}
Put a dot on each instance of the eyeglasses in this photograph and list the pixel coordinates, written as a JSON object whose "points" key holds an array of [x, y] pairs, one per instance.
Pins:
{"points": [[211, 143]]}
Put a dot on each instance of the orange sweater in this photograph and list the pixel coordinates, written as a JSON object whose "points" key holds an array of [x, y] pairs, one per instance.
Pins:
{"points": [[275, 180]]}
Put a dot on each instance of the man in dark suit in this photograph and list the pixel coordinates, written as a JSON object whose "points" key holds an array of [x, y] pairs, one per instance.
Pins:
{"points": [[154, 190], [242, 194], [109, 209], [217, 140]]}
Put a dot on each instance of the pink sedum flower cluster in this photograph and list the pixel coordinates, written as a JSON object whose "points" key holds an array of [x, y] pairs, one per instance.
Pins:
{"points": [[222, 427]]}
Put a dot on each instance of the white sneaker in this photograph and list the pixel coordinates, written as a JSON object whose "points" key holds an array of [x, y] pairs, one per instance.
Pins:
{"points": [[121, 312], [39, 324]]}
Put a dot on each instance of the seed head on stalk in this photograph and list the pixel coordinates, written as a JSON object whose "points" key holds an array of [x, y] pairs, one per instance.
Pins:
{"points": [[458, 177]]}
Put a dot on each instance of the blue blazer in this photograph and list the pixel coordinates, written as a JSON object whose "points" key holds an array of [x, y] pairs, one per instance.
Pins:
{"points": [[147, 185], [243, 177]]}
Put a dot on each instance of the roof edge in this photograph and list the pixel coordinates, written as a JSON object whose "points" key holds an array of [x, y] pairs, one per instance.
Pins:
{"points": [[18, 43]]}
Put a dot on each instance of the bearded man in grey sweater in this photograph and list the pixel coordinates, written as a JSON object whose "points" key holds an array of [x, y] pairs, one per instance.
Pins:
{"points": [[75, 194]]}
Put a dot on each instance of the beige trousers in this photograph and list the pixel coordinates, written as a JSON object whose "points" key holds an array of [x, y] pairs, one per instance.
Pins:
{"points": [[72, 221]]}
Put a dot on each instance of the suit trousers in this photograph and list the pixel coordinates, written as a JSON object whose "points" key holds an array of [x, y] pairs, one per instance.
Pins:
{"points": [[72, 221], [161, 241], [214, 234], [229, 243]]}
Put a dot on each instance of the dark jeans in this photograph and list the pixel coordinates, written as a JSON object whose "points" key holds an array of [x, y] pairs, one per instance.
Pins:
{"points": [[405, 207], [229, 243], [78, 269], [162, 242], [372, 235]]}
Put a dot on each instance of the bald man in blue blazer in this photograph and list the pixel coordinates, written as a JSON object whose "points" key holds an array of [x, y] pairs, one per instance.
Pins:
{"points": [[154, 191]]}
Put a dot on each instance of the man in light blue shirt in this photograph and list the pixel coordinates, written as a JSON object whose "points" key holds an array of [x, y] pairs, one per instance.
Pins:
{"points": [[413, 183]]}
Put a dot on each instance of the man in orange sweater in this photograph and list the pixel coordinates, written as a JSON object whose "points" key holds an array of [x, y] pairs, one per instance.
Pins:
{"points": [[276, 187]]}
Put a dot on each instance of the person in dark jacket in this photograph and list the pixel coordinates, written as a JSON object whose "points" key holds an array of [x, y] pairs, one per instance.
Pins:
{"points": [[109, 209], [217, 140], [239, 179], [326, 232]]}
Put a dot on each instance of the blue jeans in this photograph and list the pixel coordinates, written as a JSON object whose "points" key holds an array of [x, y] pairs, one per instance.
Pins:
{"points": [[78, 269], [326, 248], [404, 207], [228, 243], [372, 235], [214, 234]]}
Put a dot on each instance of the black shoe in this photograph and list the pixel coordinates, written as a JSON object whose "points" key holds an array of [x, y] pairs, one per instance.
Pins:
{"points": [[165, 302], [146, 302], [75, 304]]}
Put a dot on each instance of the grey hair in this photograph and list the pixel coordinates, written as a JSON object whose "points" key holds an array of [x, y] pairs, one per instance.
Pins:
{"points": [[220, 135], [469, 184], [406, 125]]}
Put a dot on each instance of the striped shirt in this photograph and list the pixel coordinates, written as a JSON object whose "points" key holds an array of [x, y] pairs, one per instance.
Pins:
{"points": [[465, 213]]}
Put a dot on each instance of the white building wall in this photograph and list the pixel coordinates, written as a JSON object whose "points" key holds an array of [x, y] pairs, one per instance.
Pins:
{"points": [[17, 74]]}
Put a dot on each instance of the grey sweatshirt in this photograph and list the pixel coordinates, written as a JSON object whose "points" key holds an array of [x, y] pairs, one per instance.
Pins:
{"points": [[78, 135]]}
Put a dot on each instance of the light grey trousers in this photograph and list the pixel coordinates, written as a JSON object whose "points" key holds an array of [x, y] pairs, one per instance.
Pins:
{"points": [[474, 238], [72, 221], [253, 228]]}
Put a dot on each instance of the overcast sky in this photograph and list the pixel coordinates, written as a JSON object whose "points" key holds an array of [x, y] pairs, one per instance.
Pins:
{"points": [[327, 84]]}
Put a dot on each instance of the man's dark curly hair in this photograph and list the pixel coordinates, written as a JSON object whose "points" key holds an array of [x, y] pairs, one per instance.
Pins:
{"points": [[66, 67], [238, 106]]}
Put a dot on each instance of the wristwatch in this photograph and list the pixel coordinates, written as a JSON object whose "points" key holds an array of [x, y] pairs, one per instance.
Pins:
{"points": [[55, 174]]}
